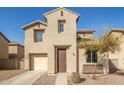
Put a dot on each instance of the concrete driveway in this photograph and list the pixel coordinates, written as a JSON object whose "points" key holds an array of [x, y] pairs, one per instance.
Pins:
{"points": [[26, 78]]}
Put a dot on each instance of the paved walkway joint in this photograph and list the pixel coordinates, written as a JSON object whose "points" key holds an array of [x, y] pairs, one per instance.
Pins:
{"points": [[61, 79]]}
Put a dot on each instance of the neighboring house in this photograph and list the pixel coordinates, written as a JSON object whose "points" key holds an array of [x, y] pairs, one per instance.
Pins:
{"points": [[52, 46], [3, 50], [11, 54], [3, 47], [85, 34], [117, 59], [16, 55]]}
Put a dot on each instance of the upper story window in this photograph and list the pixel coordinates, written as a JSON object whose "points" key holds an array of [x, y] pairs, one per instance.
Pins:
{"points": [[91, 57], [38, 36], [61, 26]]}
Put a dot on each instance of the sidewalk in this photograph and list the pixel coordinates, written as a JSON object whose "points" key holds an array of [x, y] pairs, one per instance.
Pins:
{"points": [[61, 79], [26, 78]]}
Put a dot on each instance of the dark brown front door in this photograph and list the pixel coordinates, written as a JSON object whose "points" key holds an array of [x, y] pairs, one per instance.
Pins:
{"points": [[61, 62]]}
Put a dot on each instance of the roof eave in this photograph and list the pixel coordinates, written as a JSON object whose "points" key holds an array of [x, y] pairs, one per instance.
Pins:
{"points": [[85, 30], [61, 8], [5, 37], [37, 21]]}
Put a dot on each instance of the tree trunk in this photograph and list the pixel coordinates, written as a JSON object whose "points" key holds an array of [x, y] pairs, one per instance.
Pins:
{"points": [[94, 77], [107, 63]]}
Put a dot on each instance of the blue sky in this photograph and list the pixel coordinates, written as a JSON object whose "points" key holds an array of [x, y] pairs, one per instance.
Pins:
{"points": [[12, 19]]}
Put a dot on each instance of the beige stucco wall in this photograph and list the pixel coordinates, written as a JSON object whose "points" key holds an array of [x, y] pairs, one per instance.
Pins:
{"points": [[120, 54], [13, 49], [31, 46], [17, 49], [52, 38], [81, 59], [68, 37], [19, 52], [3, 48]]}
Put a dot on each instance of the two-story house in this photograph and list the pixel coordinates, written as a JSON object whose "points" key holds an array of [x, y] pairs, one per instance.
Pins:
{"points": [[52, 45]]}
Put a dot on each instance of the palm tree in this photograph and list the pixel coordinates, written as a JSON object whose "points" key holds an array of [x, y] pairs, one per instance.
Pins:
{"points": [[103, 46]]}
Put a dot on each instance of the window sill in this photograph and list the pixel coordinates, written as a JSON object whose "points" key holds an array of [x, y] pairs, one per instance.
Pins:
{"points": [[38, 42], [90, 64]]}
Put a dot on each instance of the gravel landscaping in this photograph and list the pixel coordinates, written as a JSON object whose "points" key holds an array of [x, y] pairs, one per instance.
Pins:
{"points": [[6, 74], [116, 78], [47, 80]]}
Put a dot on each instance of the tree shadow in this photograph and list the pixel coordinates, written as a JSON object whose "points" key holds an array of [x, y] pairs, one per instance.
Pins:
{"points": [[121, 73], [112, 67]]}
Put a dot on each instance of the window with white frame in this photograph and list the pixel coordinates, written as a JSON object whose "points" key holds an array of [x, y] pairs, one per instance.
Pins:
{"points": [[91, 57], [61, 26], [38, 36]]}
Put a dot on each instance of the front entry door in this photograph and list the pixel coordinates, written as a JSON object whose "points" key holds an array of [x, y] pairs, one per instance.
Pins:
{"points": [[61, 62]]}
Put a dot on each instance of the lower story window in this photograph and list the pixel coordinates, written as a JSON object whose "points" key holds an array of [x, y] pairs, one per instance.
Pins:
{"points": [[91, 57]]}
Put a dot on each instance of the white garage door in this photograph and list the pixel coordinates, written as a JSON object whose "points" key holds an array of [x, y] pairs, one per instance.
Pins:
{"points": [[40, 63]]}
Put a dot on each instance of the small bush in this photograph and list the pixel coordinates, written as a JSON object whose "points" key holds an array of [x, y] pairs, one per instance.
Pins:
{"points": [[75, 77]]}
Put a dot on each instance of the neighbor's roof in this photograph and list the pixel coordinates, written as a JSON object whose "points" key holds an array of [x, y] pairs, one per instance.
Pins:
{"points": [[85, 30], [15, 43], [59, 9], [35, 22], [116, 30], [4, 37]]}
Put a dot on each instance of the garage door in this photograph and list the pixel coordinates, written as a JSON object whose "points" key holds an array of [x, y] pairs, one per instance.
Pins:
{"points": [[40, 62]]}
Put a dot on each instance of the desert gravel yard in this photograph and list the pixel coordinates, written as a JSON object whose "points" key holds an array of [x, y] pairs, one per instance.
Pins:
{"points": [[6, 74], [47, 80], [116, 78]]}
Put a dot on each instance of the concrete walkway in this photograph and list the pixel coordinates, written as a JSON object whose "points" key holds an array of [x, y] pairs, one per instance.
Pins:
{"points": [[26, 78], [61, 79]]}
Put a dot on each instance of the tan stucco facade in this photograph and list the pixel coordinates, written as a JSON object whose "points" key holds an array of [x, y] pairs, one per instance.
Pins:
{"points": [[3, 48], [17, 50], [118, 57], [31, 46], [88, 34], [68, 37], [53, 39], [81, 51], [16, 53]]}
